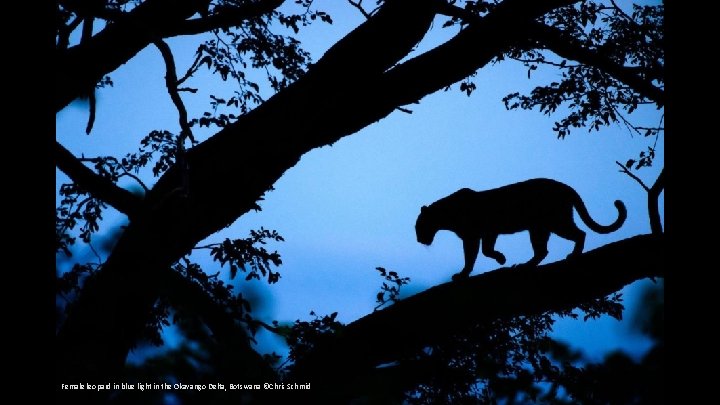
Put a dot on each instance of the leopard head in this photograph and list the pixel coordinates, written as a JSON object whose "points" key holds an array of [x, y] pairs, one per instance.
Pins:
{"points": [[426, 226]]}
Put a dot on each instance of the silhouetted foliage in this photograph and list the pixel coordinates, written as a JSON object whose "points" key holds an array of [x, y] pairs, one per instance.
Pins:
{"points": [[592, 95], [389, 293], [239, 252], [620, 379], [277, 104]]}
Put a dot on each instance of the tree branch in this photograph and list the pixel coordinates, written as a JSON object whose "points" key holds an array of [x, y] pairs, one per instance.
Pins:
{"points": [[82, 66], [191, 70], [99, 187], [632, 175], [225, 18], [358, 5], [64, 33], [458, 58], [653, 203], [418, 321], [124, 169], [314, 107], [567, 48], [171, 82], [653, 197]]}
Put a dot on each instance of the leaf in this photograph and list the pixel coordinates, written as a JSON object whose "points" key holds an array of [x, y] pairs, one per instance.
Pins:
{"points": [[326, 17]]}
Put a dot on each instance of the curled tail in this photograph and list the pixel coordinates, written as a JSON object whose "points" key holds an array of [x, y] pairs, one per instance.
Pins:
{"points": [[587, 219]]}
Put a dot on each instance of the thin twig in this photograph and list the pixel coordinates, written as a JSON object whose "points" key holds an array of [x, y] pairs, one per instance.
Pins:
{"points": [[230, 61], [136, 178], [629, 173], [628, 124], [210, 246], [657, 135], [652, 128], [191, 70], [171, 82], [92, 248], [545, 62], [358, 5]]}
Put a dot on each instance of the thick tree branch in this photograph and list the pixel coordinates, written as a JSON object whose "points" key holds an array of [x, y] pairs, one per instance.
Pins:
{"points": [[64, 33], [459, 57], [315, 109], [98, 187], [568, 48], [80, 67], [653, 197], [441, 311], [223, 18], [88, 8], [654, 205]]}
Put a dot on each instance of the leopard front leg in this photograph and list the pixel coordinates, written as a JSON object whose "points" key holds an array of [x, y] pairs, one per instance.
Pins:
{"points": [[471, 248]]}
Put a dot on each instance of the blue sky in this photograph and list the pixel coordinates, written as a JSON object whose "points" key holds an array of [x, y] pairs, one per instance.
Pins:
{"points": [[348, 208]]}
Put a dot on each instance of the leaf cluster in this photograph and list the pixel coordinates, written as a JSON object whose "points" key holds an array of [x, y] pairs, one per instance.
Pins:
{"points": [[507, 361], [590, 96], [241, 253], [304, 336], [390, 289]]}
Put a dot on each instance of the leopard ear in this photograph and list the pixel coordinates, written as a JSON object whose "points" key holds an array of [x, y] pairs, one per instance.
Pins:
{"points": [[423, 208]]}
